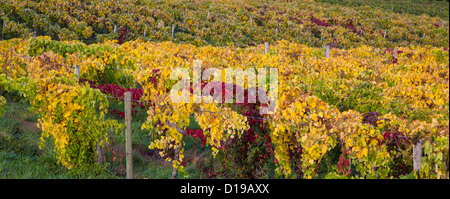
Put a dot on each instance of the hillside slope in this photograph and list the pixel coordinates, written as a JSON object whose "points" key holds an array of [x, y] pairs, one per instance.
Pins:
{"points": [[220, 23]]}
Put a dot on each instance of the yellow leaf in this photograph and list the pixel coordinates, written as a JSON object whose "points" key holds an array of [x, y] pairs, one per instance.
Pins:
{"points": [[67, 114], [364, 152], [313, 104], [320, 114], [314, 117], [322, 107]]}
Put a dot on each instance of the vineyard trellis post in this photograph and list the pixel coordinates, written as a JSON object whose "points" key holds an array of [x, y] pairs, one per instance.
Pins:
{"points": [[266, 47], [128, 141], [327, 51], [266, 51], [396, 53], [417, 155], [173, 30], [328, 55], [77, 70], [276, 33]]}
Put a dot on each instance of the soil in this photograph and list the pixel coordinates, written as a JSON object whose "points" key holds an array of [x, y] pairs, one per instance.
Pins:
{"points": [[31, 126]]}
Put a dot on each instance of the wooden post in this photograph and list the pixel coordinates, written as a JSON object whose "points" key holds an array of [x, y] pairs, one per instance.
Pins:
{"points": [[327, 51], [77, 71], [266, 51], [173, 30], [144, 32], [128, 143], [384, 37], [276, 33], [115, 27], [266, 47], [417, 155], [396, 53], [342, 74]]}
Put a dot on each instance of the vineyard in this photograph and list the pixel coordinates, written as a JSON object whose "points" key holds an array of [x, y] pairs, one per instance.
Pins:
{"points": [[363, 92]]}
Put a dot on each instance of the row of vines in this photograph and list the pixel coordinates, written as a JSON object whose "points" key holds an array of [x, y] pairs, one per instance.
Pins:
{"points": [[219, 23], [361, 104]]}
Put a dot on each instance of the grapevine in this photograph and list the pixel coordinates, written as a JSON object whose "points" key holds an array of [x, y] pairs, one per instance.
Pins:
{"points": [[383, 89], [245, 23], [66, 109]]}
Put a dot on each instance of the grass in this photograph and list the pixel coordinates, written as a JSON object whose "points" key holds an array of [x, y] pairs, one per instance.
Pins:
{"points": [[21, 158], [25, 166]]}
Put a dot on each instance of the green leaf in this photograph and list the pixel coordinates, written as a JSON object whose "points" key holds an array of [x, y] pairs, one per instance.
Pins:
{"points": [[427, 148], [439, 156]]}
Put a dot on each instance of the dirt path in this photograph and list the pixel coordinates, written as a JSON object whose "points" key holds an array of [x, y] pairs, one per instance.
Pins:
{"points": [[31, 126]]}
